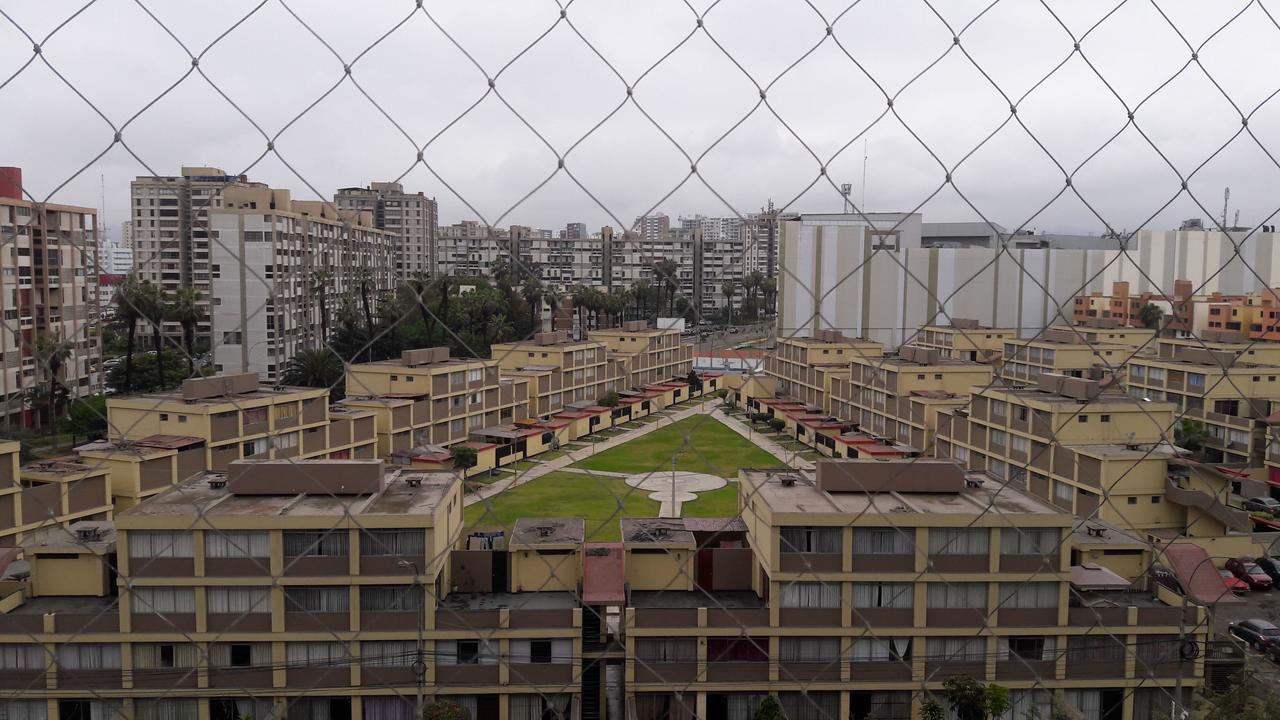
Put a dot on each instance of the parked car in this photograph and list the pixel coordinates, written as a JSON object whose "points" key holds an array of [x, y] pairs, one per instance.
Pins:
{"points": [[733, 330], [1270, 566], [1234, 584], [1259, 634], [1263, 504], [1247, 570]]}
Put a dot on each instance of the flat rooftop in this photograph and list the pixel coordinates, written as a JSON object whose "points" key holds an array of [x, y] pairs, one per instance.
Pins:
{"points": [[656, 531], [71, 605], [515, 601], [1098, 534], [799, 494], [1114, 398], [548, 531], [404, 492], [262, 392]]}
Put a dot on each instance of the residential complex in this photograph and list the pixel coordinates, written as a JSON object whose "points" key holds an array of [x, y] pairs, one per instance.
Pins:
{"points": [[410, 218], [282, 270], [803, 368], [48, 294], [560, 371]]}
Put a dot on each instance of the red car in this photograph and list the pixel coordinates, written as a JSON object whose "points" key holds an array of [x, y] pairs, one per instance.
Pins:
{"points": [[1234, 584], [1247, 570]]}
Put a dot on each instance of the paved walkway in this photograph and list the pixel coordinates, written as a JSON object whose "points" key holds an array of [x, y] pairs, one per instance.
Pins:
{"points": [[570, 457]]}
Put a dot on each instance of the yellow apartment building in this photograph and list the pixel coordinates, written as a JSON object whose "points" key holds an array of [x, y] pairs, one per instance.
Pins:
{"points": [[940, 574], [803, 368], [47, 493], [1101, 332], [560, 371], [1228, 391], [427, 398], [963, 339], [652, 355], [1060, 351], [898, 396]]}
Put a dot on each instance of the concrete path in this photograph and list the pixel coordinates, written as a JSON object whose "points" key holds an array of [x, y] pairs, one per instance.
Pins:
{"points": [[568, 458]]}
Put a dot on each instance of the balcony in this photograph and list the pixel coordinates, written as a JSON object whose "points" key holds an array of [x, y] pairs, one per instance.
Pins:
{"points": [[1230, 517]]}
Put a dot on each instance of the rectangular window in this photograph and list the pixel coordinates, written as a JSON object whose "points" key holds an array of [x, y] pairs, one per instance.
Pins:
{"points": [[950, 596], [16, 656], [388, 653], [959, 541], [323, 543], [883, 595], [1029, 595], [1094, 648], [810, 649], [317, 599], [475, 375], [160, 543], [1030, 541], [811, 595], [884, 541], [390, 598], [1019, 443], [467, 652], [825, 541], [285, 441], [238, 600], [239, 655], [1030, 649], [253, 447], [383, 543], [881, 649], [89, 656], [253, 416], [667, 649], [956, 649], [159, 656], [236, 544], [163, 600], [1063, 490], [317, 654]]}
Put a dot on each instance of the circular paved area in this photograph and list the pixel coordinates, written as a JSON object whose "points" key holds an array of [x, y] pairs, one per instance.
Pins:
{"points": [[686, 485]]}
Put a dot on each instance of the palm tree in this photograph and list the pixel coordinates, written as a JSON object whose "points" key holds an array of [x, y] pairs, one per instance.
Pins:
{"points": [[184, 309], [364, 278], [531, 291], [752, 284], [126, 300], [770, 289], [666, 269], [51, 353], [153, 304], [729, 288], [319, 368], [579, 305], [641, 291], [443, 313], [321, 281], [551, 297]]}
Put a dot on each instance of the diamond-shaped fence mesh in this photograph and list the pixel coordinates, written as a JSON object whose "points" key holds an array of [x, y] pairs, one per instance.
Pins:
{"points": [[1058, 447]]}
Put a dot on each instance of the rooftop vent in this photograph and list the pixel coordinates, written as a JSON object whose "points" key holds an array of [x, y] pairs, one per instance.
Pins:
{"points": [[413, 480], [1095, 531], [973, 481], [88, 533], [217, 482], [545, 530], [788, 480], [659, 533]]}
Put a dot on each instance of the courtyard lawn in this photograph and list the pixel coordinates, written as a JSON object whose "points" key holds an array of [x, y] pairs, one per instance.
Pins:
{"points": [[562, 494], [722, 503], [712, 448]]}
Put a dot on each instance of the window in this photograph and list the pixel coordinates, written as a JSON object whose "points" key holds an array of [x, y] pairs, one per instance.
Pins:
{"points": [[457, 426], [238, 600], [1030, 541], [164, 709], [159, 543], [236, 544], [1132, 500], [316, 654], [154, 657], [1094, 648], [253, 416], [956, 649], [163, 600], [1104, 418], [1082, 418], [475, 375], [285, 441], [1029, 595], [671, 649], [388, 653], [14, 656], [308, 543], [884, 541], [89, 656], [317, 599], [959, 541], [286, 411], [826, 541], [1019, 443], [810, 649], [253, 447], [881, 649], [1063, 491], [382, 543], [998, 437], [390, 598], [1196, 380], [1156, 649], [811, 595], [239, 655], [540, 707], [999, 408], [467, 652], [883, 595], [950, 596]]}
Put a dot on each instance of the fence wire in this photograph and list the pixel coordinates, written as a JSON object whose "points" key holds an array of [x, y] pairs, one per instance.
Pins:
{"points": [[499, 82]]}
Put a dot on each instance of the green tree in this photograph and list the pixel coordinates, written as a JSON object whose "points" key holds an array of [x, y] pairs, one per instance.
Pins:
{"points": [[129, 312], [769, 709], [317, 368], [146, 374], [52, 352], [364, 280], [695, 382], [610, 400], [184, 308], [1191, 434], [777, 424], [973, 700], [932, 710], [665, 272], [531, 291], [445, 710], [153, 303], [729, 289], [551, 297], [464, 458], [318, 287], [86, 416], [1150, 316], [769, 288]]}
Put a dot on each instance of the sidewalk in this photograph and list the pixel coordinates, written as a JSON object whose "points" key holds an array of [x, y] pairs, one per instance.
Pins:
{"points": [[570, 458]]}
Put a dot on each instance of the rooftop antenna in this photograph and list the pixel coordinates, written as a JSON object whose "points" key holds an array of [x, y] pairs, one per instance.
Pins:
{"points": [[1226, 196], [865, 155]]}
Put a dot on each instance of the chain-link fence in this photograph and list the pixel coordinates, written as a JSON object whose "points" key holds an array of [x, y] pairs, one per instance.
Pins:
{"points": [[1047, 513]]}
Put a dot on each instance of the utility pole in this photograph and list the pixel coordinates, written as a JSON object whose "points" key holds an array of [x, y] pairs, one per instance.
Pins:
{"points": [[420, 662]]}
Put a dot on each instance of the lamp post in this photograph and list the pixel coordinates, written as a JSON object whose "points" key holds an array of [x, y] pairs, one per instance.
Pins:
{"points": [[420, 663]]}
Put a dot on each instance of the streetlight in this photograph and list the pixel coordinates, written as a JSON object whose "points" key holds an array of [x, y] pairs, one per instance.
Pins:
{"points": [[419, 664]]}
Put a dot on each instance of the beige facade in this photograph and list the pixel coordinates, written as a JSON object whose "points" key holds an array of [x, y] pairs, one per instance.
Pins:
{"points": [[560, 371], [804, 368], [650, 355], [410, 218], [963, 339]]}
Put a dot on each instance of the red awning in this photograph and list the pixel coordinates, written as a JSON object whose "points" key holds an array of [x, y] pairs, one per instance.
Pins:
{"points": [[602, 574]]}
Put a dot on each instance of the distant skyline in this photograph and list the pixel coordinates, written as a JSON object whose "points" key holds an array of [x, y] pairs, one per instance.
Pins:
{"points": [[272, 67]]}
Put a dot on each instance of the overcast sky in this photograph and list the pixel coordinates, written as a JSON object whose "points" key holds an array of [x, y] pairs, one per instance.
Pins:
{"points": [[273, 68]]}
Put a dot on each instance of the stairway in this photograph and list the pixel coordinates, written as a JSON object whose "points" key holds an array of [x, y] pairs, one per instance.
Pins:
{"points": [[590, 705]]}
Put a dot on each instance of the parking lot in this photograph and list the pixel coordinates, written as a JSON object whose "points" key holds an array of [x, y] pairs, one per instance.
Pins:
{"points": [[1256, 605]]}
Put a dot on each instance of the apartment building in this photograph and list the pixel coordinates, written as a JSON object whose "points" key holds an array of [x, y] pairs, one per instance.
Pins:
{"points": [[898, 397], [48, 291], [1060, 351], [46, 493], [1104, 332], [651, 355], [1123, 308], [282, 269], [1254, 315], [1227, 387], [803, 368], [411, 218], [170, 234], [426, 399], [858, 620], [467, 248], [224, 418], [963, 339], [560, 371]]}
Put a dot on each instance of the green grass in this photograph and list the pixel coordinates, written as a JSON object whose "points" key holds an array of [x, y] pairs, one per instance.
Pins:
{"points": [[717, 503], [562, 494], [713, 448], [549, 455]]}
